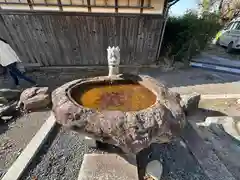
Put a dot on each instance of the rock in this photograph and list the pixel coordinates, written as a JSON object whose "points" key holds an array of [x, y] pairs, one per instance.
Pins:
{"points": [[190, 102], [10, 94], [34, 98], [154, 170], [131, 131], [40, 101], [30, 92]]}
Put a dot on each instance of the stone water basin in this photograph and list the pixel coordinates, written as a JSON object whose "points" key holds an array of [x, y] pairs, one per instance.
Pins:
{"points": [[118, 95], [127, 111]]}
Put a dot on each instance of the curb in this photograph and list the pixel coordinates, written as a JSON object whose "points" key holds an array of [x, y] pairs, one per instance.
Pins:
{"points": [[220, 96], [215, 67], [21, 163]]}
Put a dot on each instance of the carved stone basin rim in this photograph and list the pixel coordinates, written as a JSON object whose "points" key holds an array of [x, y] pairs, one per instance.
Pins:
{"points": [[105, 79], [131, 131]]}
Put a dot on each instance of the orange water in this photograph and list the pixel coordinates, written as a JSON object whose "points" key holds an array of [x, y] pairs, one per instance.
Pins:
{"points": [[123, 97]]}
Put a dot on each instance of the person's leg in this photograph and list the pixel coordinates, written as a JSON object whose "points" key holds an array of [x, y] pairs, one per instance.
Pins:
{"points": [[14, 70], [14, 77]]}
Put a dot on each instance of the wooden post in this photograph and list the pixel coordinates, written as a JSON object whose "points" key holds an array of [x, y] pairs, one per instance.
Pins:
{"points": [[116, 6], [89, 6], [60, 5]]}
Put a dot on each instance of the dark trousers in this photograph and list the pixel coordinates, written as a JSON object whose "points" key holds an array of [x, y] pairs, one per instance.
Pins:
{"points": [[16, 74]]}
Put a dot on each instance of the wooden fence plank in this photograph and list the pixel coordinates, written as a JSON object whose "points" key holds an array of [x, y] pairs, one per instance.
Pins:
{"points": [[54, 40]]}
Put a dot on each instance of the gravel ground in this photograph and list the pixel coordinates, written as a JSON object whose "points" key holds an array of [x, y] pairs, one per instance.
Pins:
{"points": [[15, 135], [178, 162], [61, 160]]}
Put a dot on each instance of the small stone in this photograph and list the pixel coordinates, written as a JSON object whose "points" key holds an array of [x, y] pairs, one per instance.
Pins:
{"points": [[19, 151], [154, 170], [183, 144], [238, 101], [6, 118], [190, 102]]}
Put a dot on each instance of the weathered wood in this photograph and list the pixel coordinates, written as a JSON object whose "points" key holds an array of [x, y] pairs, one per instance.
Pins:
{"points": [[58, 40]]}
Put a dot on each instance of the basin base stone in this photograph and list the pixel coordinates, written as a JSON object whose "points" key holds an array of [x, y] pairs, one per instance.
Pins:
{"points": [[107, 166]]}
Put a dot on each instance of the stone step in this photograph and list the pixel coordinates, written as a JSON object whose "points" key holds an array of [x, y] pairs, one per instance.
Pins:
{"points": [[107, 167]]}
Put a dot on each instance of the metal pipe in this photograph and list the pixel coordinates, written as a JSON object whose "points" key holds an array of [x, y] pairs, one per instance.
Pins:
{"points": [[164, 25]]}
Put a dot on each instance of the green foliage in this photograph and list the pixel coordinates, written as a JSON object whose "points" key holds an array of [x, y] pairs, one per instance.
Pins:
{"points": [[187, 35], [206, 5]]}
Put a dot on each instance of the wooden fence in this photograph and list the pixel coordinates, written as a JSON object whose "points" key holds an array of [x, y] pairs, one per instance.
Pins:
{"points": [[66, 39]]}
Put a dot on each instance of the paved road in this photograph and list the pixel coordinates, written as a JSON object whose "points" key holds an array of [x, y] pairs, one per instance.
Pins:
{"points": [[198, 80]]}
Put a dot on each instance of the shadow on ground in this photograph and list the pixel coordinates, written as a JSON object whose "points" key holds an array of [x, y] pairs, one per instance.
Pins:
{"points": [[177, 160], [178, 163]]}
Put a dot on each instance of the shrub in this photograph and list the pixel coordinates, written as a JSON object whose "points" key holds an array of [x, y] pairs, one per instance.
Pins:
{"points": [[187, 35]]}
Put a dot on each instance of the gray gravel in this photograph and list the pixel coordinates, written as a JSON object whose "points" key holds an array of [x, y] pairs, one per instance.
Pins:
{"points": [[178, 162], [62, 159]]}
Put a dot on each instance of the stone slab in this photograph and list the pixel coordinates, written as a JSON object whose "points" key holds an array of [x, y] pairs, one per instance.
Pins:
{"points": [[107, 167], [223, 135], [230, 124], [25, 158]]}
